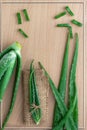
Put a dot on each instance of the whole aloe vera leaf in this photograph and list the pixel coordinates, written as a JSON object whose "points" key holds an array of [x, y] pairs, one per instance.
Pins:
{"points": [[16, 48], [34, 96], [58, 99], [72, 83], [62, 84]]}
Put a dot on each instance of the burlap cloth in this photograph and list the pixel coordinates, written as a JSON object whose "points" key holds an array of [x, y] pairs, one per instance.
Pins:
{"points": [[43, 90]]}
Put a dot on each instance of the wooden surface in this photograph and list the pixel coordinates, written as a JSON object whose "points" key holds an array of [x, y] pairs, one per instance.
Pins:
{"points": [[46, 43]]}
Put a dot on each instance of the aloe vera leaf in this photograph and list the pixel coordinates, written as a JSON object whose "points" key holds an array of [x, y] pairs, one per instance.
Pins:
{"points": [[26, 14], [32, 96], [72, 83], [63, 25], [6, 61], [56, 110], [63, 77], [6, 78], [36, 112], [37, 100], [57, 96], [62, 83], [68, 114], [71, 32], [76, 23], [23, 33], [69, 10], [19, 18], [31, 86], [15, 46], [15, 88], [72, 90], [60, 15]]}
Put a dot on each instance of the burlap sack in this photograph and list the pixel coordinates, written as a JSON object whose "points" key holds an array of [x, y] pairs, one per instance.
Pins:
{"points": [[43, 89]]}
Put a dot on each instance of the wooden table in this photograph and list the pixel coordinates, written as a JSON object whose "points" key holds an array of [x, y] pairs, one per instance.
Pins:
{"points": [[46, 43]]}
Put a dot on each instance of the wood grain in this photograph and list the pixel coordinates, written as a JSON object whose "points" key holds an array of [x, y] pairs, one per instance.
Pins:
{"points": [[46, 43], [43, 1], [85, 65]]}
